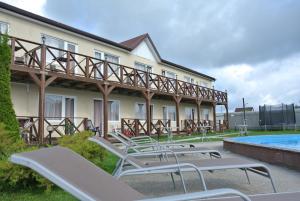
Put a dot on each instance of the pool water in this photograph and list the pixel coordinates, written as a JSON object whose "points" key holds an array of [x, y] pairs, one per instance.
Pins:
{"points": [[286, 141]]}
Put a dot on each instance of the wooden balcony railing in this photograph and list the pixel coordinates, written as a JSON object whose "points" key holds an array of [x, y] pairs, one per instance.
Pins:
{"points": [[35, 57], [135, 127], [60, 126]]}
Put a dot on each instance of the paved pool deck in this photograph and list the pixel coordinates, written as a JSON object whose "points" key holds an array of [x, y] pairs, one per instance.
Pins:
{"points": [[286, 180]]}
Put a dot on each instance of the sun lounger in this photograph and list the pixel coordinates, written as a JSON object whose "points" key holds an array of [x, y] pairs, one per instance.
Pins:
{"points": [[85, 181], [160, 167], [156, 147]]}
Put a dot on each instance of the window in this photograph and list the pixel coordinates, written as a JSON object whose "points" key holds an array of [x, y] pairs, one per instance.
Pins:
{"points": [[143, 67], [4, 27], [113, 110], [114, 59], [170, 74], [205, 114], [203, 84], [60, 44], [189, 79], [58, 106], [140, 110], [189, 113], [53, 107], [53, 42], [169, 113]]}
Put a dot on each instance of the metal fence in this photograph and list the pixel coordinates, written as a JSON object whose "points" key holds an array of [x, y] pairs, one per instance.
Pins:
{"points": [[253, 122]]}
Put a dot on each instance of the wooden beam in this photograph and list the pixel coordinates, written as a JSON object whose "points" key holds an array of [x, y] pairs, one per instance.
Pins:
{"points": [[35, 78], [50, 80]]}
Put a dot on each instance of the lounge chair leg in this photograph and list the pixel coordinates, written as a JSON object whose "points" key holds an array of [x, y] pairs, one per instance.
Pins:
{"points": [[172, 176], [247, 175], [182, 181], [272, 182]]}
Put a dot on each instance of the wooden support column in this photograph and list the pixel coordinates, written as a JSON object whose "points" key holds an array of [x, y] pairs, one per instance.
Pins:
{"points": [[214, 117], [177, 100], [148, 96], [42, 83], [227, 116], [105, 89], [198, 102]]}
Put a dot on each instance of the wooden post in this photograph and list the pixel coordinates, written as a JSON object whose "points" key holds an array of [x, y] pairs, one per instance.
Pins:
{"points": [[177, 100], [42, 95], [198, 102], [214, 117], [227, 116], [148, 96], [105, 89]]}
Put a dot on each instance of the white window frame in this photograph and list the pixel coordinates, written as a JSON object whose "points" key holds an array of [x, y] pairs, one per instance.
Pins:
{"points": [[169, 72], [147, 67], [103, 53], [143, 103], [65, 45], [167, 107], [190, 111], [63, 112], [7, 24], [112, 121], [189, 79]]}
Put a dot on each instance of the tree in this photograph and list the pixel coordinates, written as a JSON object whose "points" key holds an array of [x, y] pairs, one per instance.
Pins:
{"points": [[7, 113]]}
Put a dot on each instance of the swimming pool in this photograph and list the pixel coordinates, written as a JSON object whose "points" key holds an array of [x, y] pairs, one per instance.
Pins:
{"points": [[288, 141], [276, 149]]}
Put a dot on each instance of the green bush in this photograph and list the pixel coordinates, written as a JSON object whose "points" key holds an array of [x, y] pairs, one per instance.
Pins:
{"points": [[7, 113], [18, 177], [80, 144], [15, 176]]}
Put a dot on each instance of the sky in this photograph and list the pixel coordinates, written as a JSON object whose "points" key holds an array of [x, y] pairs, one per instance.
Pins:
{"points": [[252, 47]]}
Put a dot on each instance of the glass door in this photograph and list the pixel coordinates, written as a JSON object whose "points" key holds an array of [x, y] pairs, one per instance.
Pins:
{"points": [[69, 113]]}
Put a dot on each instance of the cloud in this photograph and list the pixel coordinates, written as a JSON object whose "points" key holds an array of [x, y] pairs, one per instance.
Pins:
{"points": [[35, 6], [271, 82], [195, 33]]}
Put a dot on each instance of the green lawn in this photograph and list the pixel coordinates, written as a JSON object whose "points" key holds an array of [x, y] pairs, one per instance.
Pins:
{"points": [[108, 165]]}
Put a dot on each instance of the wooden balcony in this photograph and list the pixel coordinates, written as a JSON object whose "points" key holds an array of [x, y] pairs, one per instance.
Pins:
{"points": [[28, 56], [45, 65]]}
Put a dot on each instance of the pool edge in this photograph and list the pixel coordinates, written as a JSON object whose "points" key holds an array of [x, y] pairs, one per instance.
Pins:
{"points": [[288, 158]]}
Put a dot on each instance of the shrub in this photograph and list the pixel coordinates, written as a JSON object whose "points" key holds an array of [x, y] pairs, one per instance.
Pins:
{"points": [[15, 176], [7, 113], [80, 144]]}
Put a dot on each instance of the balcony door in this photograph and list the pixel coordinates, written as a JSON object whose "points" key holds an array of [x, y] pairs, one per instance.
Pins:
{"points": [[69, 112], [98, 114]]}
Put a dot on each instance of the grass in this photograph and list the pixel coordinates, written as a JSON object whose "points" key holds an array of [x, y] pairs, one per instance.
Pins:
{"points": [[108, 164]]}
